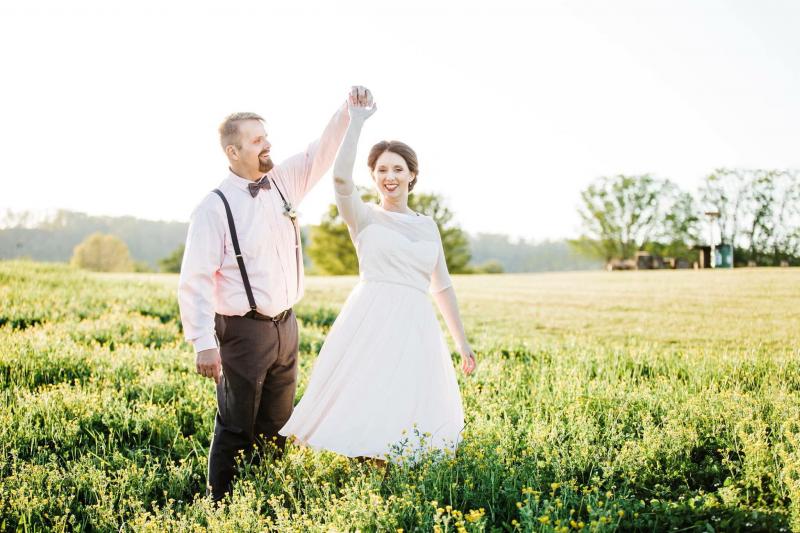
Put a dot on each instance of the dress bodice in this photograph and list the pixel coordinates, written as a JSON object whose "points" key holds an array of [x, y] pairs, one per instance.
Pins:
{"points": [[395, 247]]}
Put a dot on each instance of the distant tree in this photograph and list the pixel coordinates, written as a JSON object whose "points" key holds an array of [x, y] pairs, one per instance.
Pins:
{"points": [[492, 266], [332, 252], [724, 191], [759, 212], [678, 230], [759, 202], [172, 263], [528, 255], [621, 215], [102, 253], [783, 243], [52, 236], [142, 266]]}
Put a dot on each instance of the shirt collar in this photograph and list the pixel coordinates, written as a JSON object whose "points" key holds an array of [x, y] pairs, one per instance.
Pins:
{"points": [[238, 181]]}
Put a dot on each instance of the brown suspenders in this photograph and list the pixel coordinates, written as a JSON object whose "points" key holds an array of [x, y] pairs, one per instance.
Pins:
{"points": [[240, 260]]}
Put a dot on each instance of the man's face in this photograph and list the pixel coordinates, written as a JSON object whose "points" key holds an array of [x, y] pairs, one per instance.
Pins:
{"points": [[254, 153]]}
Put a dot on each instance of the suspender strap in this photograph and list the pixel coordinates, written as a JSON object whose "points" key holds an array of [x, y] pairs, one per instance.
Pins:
{"points": [[283, 198], [287, 207], [237, 251]]}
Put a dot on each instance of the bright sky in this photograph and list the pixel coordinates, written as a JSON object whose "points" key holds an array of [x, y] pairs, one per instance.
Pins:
{"points": [[513, 108]]}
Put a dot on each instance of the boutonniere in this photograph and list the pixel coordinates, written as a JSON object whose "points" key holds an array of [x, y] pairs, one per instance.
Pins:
{"points": [[289, 211]]}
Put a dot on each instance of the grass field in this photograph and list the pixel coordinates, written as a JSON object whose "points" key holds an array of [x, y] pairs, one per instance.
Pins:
{"points": [[648, 401]]}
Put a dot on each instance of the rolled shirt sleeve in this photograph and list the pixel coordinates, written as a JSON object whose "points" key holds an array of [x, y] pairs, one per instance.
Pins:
{"points": [[202, 259]]}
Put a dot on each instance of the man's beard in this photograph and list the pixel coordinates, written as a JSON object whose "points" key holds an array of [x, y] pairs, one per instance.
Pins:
{"points": [[264, 166]]}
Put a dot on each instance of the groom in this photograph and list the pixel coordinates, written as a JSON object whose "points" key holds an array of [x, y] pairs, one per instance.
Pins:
{"points": [[241, 274]]}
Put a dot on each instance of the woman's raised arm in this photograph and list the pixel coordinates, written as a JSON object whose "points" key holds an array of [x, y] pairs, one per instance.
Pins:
{"points": [[361, 107]]}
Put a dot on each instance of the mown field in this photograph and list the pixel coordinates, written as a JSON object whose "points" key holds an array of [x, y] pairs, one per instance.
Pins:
{"points": [[647, 401]]}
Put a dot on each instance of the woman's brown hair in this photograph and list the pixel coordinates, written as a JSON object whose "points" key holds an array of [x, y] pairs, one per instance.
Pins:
{"points": [[399, 148]]}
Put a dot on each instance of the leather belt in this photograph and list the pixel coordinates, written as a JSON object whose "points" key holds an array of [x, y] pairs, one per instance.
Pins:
{"points": [[280, 317]]}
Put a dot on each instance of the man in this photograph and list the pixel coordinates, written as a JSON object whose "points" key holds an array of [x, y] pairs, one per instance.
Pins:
{"points": [[236, 307]]}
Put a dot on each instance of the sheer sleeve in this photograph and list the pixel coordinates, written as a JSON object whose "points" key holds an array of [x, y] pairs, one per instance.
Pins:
{"points": [[355, 213], [440, 279]]}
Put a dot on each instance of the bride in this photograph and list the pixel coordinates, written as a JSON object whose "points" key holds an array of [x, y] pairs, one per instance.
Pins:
{"points": [[384, 373]]}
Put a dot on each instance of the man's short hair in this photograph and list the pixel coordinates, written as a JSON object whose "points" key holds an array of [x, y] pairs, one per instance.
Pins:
{"points": [[229, 129]]}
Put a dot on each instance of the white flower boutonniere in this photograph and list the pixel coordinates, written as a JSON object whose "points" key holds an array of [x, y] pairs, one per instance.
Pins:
{"points": [[289, 211]]}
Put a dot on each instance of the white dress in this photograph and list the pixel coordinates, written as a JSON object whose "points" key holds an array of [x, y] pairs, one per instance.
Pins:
{"points": [[384, 373]]}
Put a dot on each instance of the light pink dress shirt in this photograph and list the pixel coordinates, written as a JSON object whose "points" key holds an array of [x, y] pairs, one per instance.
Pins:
{"points": [[210, 280]]}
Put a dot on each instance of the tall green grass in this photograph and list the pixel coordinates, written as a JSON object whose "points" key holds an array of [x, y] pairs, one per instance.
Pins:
{"points": [[603, 401]]}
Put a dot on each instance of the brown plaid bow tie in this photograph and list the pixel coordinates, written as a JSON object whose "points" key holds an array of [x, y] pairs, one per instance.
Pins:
{"points": [[263, 183]]}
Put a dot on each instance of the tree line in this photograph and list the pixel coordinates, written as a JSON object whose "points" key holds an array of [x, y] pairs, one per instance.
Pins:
{"points": [[758, 214], [54, 237], [328, 250]]}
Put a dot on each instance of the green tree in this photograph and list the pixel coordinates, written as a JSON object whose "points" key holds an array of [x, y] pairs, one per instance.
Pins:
{"points": [[620, 215], [679, 228], [172, 263], [723, 191], [784, 237], [102, 253], [759, 212], [332, 252]]}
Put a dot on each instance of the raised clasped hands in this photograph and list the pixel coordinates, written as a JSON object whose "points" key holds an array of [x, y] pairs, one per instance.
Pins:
{"points": [[360, 103]]}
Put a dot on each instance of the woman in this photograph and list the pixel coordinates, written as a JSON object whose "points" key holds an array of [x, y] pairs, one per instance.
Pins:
{"points": [[384, 373]]}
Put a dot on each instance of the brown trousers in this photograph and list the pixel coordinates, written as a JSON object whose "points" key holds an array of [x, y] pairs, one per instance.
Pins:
{"points": [[255, 395]]}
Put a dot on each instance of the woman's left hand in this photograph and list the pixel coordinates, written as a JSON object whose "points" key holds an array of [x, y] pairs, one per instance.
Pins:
{"points": [[468, 362]]}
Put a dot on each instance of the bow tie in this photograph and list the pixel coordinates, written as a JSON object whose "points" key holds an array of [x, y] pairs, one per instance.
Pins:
{"points": [[263, 183]]}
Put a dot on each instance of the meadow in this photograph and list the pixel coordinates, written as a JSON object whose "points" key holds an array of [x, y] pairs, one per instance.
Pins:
{"points": [[624, 401]]}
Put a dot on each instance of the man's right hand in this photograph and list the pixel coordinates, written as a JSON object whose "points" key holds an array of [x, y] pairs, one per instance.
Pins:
{"points": [[209, 364]]}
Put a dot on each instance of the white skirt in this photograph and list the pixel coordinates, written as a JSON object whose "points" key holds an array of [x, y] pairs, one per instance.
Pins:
{"points": [[383, 379]]}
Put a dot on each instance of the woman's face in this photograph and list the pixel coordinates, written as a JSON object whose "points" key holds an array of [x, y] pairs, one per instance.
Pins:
{"points": [[392, 176]]}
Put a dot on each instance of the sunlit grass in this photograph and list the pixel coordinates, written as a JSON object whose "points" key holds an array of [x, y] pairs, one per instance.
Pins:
{"points": [[603, 401]]}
